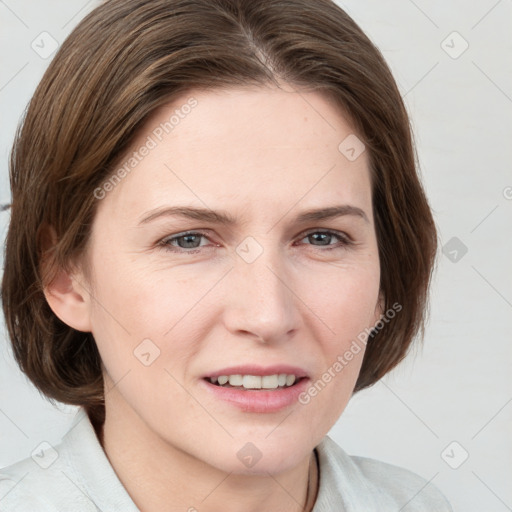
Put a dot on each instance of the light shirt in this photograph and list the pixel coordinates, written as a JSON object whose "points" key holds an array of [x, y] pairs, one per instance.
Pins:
{"points": [[76, 476]]}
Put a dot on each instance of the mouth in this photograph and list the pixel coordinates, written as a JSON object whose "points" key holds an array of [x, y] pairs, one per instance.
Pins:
{"points": [[256, 382], [257, 389]]}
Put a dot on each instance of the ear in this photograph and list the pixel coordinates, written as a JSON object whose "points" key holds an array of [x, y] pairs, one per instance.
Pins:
{"points": [[65, 293], [379, 309]]}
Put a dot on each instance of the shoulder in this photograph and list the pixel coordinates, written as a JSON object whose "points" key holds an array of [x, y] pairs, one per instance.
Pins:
{"points": [[376, 485], [48, 480], [44, 482], [408, 489], [74, 475], [15, 480]]}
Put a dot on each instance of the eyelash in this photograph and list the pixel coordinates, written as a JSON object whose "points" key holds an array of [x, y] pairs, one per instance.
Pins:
{"points": [[344, 241]]}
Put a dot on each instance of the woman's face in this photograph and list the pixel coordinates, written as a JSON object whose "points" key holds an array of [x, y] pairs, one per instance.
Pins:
{"points": [[277, 290]]}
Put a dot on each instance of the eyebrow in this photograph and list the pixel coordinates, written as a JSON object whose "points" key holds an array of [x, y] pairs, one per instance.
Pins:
{"points": [[224, 218]]}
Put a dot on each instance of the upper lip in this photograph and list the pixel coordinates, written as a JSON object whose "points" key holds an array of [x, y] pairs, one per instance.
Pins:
{"points": [[259, 370]]}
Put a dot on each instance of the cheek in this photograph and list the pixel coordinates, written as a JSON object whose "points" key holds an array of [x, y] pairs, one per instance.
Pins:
{"points": [[343, 296], [130, 295], [138, 314], [344, 299]]}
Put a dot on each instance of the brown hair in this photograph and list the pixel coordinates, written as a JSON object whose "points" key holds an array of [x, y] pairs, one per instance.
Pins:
{"points": [[127, 58]]}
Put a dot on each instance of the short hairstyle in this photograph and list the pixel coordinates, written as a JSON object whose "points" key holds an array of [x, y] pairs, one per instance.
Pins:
{"points": [[129, 57]]}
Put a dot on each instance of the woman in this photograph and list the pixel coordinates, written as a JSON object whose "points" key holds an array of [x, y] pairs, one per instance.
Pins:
{"points": [[218, 235]]}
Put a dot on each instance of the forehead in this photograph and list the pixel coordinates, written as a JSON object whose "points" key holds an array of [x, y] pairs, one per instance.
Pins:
{"points": [[251, 147]]}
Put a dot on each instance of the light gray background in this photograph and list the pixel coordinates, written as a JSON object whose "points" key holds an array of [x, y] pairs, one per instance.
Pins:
{"points": [[457, 388]]}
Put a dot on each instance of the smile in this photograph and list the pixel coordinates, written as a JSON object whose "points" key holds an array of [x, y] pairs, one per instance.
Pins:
{"points": [[275, 381]]}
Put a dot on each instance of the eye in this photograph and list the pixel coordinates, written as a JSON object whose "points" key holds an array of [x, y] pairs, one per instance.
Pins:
{"points": [[183, 241], [326, 237], [190, 241]]}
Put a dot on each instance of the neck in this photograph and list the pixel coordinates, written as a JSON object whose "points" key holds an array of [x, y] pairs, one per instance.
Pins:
{"points": [[160, 476]]}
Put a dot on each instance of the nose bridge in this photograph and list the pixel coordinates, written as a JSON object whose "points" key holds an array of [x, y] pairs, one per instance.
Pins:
{"points": [[262, 300]]}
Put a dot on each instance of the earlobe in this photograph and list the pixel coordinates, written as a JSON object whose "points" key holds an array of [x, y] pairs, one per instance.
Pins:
{"points": [[69, 301], [379, 309], [65, 294]]}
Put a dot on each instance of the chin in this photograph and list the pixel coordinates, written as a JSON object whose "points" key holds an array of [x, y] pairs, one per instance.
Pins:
{"points": [[255, 455]]}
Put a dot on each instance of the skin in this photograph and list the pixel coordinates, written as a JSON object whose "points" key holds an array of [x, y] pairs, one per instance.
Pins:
{"points": [[264, 155]]}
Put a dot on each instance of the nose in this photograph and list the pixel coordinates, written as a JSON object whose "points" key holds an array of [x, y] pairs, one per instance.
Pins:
{"points": [[260, 303]]}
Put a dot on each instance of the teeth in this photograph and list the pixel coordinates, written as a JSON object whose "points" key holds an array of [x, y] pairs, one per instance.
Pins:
{"points": [[269, 381], [235, 380], [251, 382], [255, 381]]}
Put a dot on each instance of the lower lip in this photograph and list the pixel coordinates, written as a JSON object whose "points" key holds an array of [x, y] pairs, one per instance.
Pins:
{"points": [[251, 400]]}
